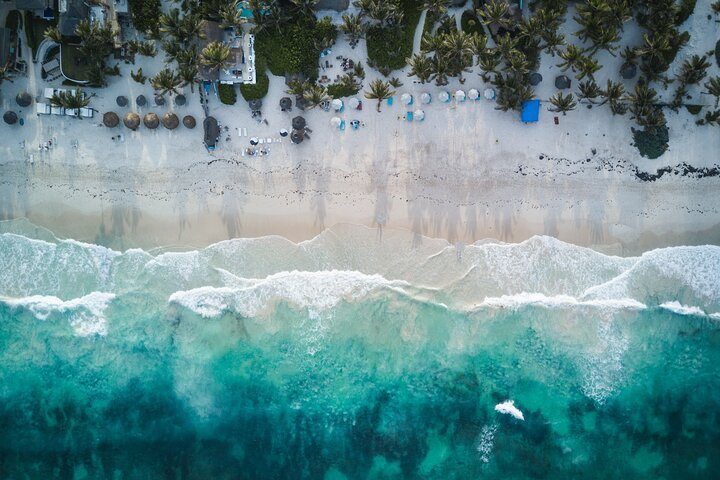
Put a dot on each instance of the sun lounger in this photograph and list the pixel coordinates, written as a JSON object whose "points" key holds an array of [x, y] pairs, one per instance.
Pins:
{"points": [[268, 140], [342, 124], [409, 116], [390, 101]]}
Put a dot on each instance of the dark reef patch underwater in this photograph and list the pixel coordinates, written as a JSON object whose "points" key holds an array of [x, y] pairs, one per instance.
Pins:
{"points": [[338, 358]]}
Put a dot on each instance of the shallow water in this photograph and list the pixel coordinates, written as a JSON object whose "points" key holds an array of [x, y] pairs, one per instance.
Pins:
{"points": [[355, 357]]}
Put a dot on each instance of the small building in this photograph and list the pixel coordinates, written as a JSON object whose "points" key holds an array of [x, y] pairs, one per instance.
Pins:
{"points": [[212, 33], [242, 55], [71, 13], [530, 111], [212, 132]]}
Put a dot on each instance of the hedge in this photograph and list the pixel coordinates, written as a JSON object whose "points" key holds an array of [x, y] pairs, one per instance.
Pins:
{"points": [[388, 47], [262, 83], [338, 90], [651, 144], [685, 10], [227, 94], [694, 109], [145, 14]]}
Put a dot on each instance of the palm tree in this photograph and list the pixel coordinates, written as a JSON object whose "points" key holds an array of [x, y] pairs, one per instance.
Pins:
{"points": [[614, 93], [693, 70], [655, 46], [296, 87], [166, 81], [572, 58], [395, 82], [72, 101], [713, 88], [437, 7], [517, 63], [314, 95], [171, 23], [553, 41], [305, 8], [215, 55], [589, 90], [430, 43], [587, 68], [5, 73], [494, 12], [421, 67], [605, 39], [562, 103], [441, 70], [359, 71], [488, 63], [138, 76], [353, 28], [187, 73], [231, 15], [715, 6], [643, 95], [478, 43], [53, 34], [379, 90]]}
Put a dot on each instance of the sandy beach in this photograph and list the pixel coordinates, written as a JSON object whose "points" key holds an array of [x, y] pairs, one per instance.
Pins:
{"points": [[467, 172]]}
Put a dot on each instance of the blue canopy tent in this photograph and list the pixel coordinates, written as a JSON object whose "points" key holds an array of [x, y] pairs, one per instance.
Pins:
{"points": [[530, 111]]}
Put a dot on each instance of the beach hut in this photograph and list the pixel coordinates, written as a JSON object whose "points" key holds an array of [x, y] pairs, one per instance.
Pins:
{"points": [[419, 115], [131, 120], [297, 136], [562, 82], [151, 120], [10, 117], [170, 121], [335, 122], [444, 97], [180, 100], [337, 105], [285, 104], [111, 119], [473, 94], [426, 98], [255, 105], [489, 94], [23, 99], [535, 79], [406, 98], [298, 123], [354, 103], [530, 111], [628, 71], [140, 101], [159, 100], [212, 131], [121, 101], [189, 121], [459, 96]]}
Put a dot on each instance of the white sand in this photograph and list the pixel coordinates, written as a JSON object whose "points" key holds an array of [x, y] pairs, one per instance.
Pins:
{"points": [[466, 173]]}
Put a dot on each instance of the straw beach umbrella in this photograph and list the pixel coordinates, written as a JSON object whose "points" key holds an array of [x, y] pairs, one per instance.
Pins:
{"points": [[298, 123], [159, 100], [189, 121], [111, 119], [170, 121], [535, 79], [297, 136], [131, 120], [426, 98], [562, 82], [180, 100], [121, 101], [285, 104], [473, 94], [151, 120], [255, 105], [140, 101], [23, 99], [10, 117]]}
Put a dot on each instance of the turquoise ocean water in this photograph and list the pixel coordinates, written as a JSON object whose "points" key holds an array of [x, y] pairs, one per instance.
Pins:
{"points": [[359, 357]]}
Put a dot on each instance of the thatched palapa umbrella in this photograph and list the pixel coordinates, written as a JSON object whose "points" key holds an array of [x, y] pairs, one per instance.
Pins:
{"points": [[159, 100], [297, 136], [285, 104], [535, 79], [562, 82], [255, 104], [23, 99], [121, 101], [180, 100], [131, 120], [10, 117], [151, 120], [141, 100], [298, 123], [189, 121], [300, 102], [170, 121], [111, 119], [628, 71]]}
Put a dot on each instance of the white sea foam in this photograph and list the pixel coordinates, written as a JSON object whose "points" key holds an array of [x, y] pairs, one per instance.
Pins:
{"points": [[508, 407], [86, 315], [681, 309], [318, 291], [487, 441], [542, 300]]}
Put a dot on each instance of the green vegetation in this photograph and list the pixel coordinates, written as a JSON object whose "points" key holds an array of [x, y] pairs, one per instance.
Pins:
{"points": [[13, 20], [227, 94], [340, 90], [390, 43], [74, 64], [651, 142], [35, 30], [717, 53], [694, 109], [470, 23], [685, 10], [145, 14], [262, 83]]}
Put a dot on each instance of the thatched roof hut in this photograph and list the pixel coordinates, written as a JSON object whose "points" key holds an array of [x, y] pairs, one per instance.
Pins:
{"points": [[111, 119], [189, 121], [170, 121], [10, 117], [23, 99], [212, 131], [151, 120], [131, 120]]}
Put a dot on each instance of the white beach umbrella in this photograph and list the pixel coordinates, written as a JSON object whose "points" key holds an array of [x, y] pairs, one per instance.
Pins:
{"points": [[354, 102], [406, 98], [335, 121], [337, 104], [489, 94], [426, 98], [419, 115], [444, 97], [473, 94], [460, 96]]}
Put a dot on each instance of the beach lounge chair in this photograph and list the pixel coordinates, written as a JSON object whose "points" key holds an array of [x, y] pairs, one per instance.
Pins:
{"points": [[342, 125], [409, 116], [390, 101]]}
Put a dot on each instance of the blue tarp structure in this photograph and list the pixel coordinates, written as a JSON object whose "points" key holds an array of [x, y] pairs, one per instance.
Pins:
{"points": [[530, 111]]}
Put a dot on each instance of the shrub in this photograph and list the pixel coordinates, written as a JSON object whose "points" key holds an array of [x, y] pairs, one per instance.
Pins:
{"points": [[388, 47], [470, 23], [12, 21], [292, 51], [260, 89], [685, 10], [338, 90], [694, 109], [717, 53], [651, 144], [227, 94], [145, 14]]}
